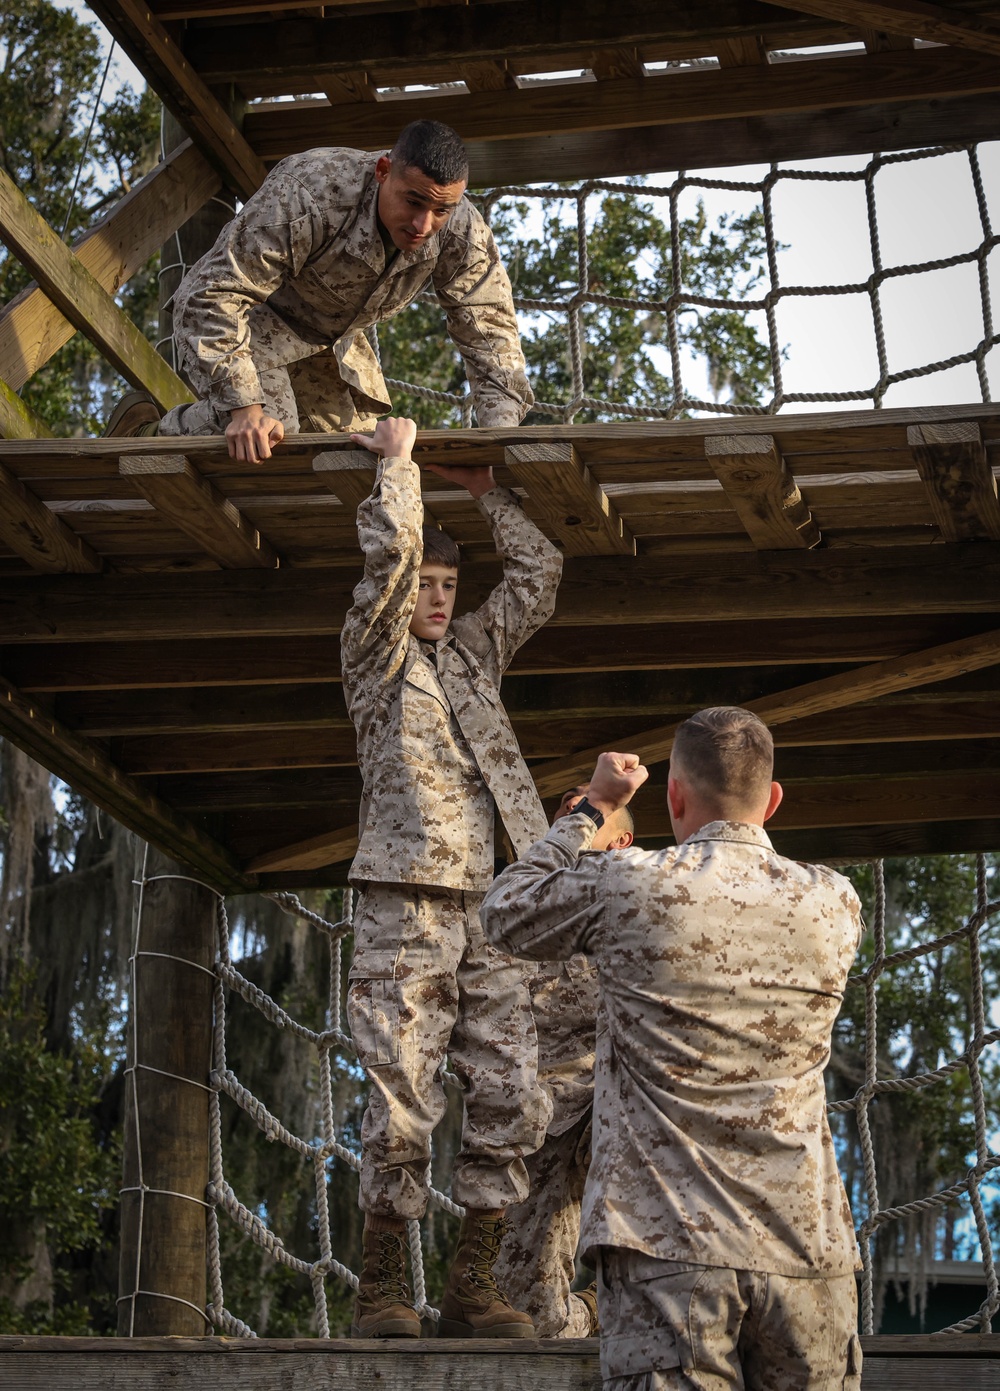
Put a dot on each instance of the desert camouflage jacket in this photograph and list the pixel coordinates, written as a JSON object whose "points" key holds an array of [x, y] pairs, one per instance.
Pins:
{"points": [[438, 756], [302, 267], [564, 997], [722, 968]]}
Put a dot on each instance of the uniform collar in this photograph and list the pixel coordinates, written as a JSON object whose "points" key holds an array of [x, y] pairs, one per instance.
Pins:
{"points": [[740, 831]]}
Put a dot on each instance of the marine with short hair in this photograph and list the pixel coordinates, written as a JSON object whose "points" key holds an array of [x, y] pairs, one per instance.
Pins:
{"points": [[714, 1208], [444, 781], [271, 325]]}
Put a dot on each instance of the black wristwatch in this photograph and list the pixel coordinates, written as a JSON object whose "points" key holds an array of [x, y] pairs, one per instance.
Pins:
{"points": [[596, 816]]}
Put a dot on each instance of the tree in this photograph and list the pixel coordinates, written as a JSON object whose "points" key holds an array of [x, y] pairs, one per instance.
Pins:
{"points": [[626, 356]]}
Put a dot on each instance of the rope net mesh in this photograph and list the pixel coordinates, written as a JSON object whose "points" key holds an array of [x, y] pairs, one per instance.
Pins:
{"points": [[326, 1153], [571, 305]]}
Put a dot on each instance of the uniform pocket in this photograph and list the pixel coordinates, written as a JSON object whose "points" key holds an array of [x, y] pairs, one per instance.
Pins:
{"points": [[373, 1007]]}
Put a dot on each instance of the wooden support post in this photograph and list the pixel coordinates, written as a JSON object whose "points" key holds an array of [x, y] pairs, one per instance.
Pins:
{"points": [[763, 492], [162, 1273], [38, 535], [195, 506], [951, 460], [564, 496]]}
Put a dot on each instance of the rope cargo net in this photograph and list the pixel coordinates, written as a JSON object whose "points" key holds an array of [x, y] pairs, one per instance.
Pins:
{"points": [[326, 1154], [571, 307]]}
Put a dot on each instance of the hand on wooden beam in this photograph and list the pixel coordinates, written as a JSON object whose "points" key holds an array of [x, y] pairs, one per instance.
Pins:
{"points": [[251, 432]]}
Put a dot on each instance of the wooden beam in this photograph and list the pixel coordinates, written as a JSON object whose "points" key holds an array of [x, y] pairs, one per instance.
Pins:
{"points": [[831, 693], [178, 492], [37, 535], [349, 473], [564, 499], [350, 86], [32, 328], [490, 75], [763, 492], [918, 581], [302, 48], [18, 421], [748, 51], [88, 769], [82, 299], [934, 23], [609, 63], [951, 460], [761, 139], [158, 57], [666, 99]]}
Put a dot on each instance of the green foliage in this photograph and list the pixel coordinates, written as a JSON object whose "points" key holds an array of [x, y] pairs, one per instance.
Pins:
{"points": [[626, 357], [59, 1174], [50, 70]]}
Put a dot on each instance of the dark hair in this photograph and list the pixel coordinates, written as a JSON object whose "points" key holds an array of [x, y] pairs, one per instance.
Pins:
{"points": [[434, 149], [727, 753], [440, 549], [623, 821]]}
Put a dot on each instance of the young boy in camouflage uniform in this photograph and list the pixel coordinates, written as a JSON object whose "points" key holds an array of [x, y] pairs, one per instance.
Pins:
{"points": [[442, 777]]}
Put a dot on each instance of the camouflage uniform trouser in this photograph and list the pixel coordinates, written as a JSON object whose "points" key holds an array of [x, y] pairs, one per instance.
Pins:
{"points": [[308, 395], [671, 1326], [537, 1261], [425, 983]]}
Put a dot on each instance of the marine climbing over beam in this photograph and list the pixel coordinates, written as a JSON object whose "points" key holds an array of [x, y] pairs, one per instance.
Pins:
{"points": [[270, 325]]}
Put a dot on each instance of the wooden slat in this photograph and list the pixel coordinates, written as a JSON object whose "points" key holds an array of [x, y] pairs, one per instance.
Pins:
{"points": [[763, 492], [609, 63], [489, 75], [742, 52], [350, 86], [761, 139], [962, 491], [564, 498], [32, 328], [613, 590], [675, 98], [349, 473], [935, 23], [157, 55], [82, 299], [34, 533], [18, 421], [179, 492], [87, 769]]}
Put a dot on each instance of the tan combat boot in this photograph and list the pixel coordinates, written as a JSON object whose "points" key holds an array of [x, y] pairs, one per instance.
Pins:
{"points": [[472, 1305], [383, 1308], [135, 414]]}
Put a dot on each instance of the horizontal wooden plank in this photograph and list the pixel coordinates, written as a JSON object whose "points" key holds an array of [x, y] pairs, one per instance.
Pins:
{"points": [[914, 18], [89, 771], [961, 578], [674, 98], [37, 535]]}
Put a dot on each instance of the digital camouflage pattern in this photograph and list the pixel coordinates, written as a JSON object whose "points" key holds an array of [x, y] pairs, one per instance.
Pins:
{"points": [[722, 967], [425, 983], [300, 273], [439, 759], [676, 1326], [537, 1262]]}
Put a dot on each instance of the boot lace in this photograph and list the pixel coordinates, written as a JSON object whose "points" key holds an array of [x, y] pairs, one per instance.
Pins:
{"points": [[489, 1236], [391, 1278]]}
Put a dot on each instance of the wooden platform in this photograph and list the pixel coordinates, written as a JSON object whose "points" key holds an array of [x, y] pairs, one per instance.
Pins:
{"points": [[219, 1364], [169, 622]]}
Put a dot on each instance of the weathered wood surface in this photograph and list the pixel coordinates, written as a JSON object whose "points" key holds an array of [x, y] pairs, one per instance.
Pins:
{"points": [[935, 23], [158, 55], [32, 328], [18, 421], [920, 74], [952, 462], [564, 499], [51, 1364], [763, 492], [36, 534]]}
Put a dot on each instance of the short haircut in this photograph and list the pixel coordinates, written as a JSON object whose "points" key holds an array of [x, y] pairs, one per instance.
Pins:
{"points": [[440, 549], [623, 820], [435, 149], [727, 753]]}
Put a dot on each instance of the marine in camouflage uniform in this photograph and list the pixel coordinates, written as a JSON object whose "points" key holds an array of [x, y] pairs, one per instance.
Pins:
{"points": [[443, 776], [277, 312], [714, 1204], [537, 1264]]}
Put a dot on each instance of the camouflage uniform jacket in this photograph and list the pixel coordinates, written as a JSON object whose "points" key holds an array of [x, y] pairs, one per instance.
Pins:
{"points": [[302, 267], [722, 968], [564, 996], [438, 756]]}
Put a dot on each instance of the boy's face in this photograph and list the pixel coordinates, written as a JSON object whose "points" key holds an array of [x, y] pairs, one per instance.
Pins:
{"points": [[435, 602]]}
